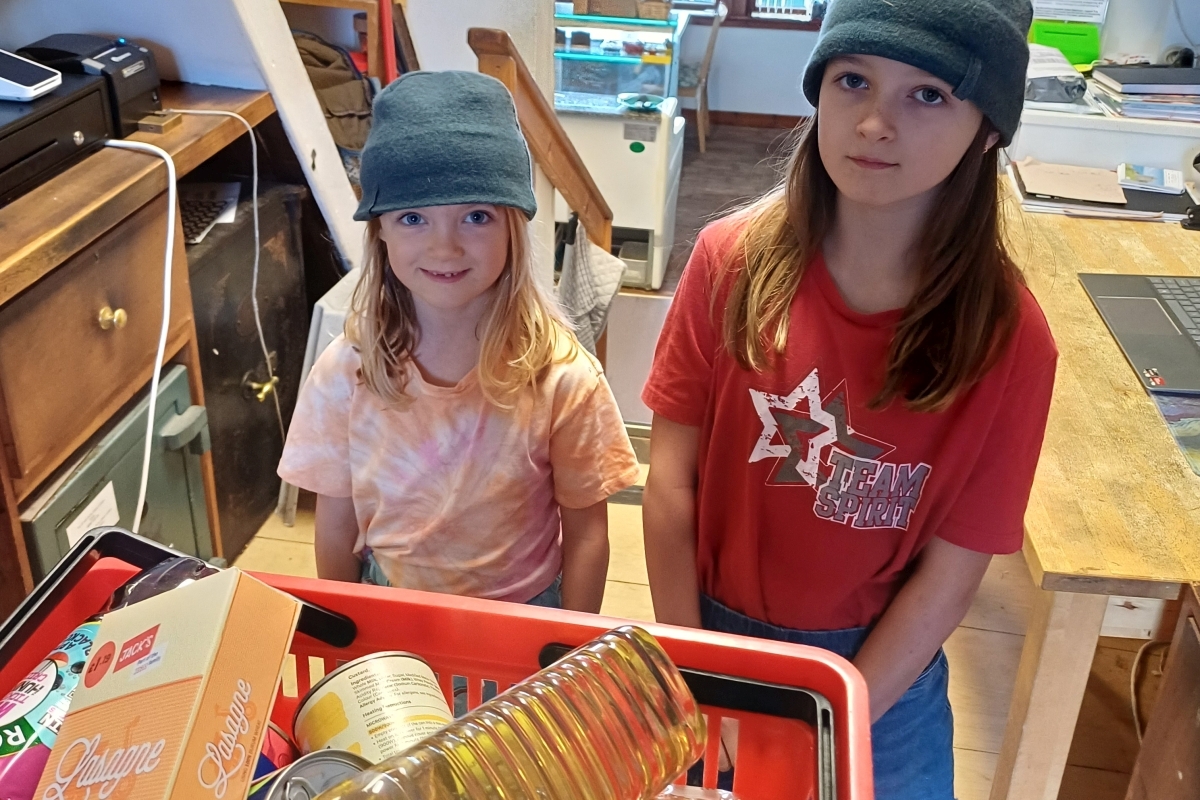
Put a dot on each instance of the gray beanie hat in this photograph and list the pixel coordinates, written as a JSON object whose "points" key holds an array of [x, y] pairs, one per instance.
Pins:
{"points": [[977, 46], [441, 139]]}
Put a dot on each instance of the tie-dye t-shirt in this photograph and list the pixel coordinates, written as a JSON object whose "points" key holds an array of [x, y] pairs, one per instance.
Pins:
{"points": [[453, 494]]}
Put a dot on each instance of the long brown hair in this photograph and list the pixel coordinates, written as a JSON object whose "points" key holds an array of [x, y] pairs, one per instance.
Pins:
{"points": [[958, 321], [524, 331]]}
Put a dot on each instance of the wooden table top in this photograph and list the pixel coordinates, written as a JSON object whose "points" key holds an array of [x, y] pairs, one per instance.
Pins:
{"points": [[42, 229], [1115, 507]]}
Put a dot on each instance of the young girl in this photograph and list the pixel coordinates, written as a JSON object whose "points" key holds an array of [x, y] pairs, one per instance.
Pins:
{"points": [[852, 385], [457, 437]]}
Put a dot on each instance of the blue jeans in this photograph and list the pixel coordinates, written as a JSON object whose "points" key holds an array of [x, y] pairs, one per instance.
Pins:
{"points": [[911, 744], [550, 597]]}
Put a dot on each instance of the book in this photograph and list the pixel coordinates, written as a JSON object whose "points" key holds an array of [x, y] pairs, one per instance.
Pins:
{"points": [[1139, 205], [1150, 79], [1150, 179], [1172, 107]]}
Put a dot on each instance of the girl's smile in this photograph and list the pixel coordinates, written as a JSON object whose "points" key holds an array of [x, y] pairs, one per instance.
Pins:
{"points": [[872, 163], [445, 277]]}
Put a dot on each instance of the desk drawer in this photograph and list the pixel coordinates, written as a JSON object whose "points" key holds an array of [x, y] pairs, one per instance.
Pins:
{"points": [[61, 374]]}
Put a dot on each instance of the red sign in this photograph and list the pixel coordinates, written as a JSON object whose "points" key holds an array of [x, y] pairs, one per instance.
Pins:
{"points": [[137, 647]]}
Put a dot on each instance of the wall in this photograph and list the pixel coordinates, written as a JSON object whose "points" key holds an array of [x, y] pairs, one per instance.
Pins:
{"points": [[1148, 27], [171, 30], [754, 70]]}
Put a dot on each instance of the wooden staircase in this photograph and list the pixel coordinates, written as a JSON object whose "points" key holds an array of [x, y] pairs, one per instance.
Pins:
{"points": [[548, 142]]}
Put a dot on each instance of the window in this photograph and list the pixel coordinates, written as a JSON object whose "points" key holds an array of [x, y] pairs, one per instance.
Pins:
{"points": [[759, 13], [782, 9]]}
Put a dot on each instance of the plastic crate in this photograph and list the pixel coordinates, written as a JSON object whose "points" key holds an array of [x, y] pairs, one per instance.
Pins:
{"points": [[487, 641]]}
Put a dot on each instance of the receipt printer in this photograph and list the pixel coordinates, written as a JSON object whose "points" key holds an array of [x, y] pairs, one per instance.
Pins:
{"points": [[128, 69]]}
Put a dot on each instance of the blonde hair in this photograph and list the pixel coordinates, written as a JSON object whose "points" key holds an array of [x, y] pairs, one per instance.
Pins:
{"points": [[957, 323], [524, 330]]}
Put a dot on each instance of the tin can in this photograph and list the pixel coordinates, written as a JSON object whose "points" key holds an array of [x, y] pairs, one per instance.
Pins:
{"points": [[33, 712], [375, 706], [308, 776], [277, 752]]}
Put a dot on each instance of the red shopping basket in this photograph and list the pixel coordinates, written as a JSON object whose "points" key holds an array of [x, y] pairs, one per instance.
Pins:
{"points": [[491, 642]]}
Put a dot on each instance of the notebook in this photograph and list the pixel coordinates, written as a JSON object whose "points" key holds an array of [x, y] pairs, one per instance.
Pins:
{"points": [[1149, 79]]}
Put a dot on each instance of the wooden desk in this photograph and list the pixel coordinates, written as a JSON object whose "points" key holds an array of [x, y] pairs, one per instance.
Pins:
{"points": [[1115, 508], [95, 231]]}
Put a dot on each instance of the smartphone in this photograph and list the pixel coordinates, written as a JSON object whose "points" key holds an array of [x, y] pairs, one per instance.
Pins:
{"points": [[23, 80]]}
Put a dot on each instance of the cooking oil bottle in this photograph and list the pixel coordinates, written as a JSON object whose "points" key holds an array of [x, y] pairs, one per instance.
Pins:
{"points": [[613, 720]]}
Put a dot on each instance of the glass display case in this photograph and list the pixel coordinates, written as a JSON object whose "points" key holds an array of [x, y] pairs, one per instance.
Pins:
{"points": [[597, 59]]}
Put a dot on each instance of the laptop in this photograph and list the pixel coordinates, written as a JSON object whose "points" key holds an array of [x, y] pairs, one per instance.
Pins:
{"points": [[1156, 321]]}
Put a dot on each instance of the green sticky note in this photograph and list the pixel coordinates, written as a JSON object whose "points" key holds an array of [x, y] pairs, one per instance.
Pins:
{"points": [[1078, 41]]}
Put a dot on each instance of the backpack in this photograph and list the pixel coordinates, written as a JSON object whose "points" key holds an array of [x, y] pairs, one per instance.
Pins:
{"points": [[344, 93]]}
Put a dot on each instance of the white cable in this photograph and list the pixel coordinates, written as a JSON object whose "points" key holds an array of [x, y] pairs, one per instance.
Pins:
{"points": [[166, 315], [1183, 28], [262, 340]]}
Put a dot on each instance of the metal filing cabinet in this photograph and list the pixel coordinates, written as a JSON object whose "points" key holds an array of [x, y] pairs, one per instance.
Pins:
{"points": [[246, 441], [100, 485]]}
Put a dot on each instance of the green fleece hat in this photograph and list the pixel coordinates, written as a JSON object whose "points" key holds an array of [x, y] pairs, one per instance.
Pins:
{"points": [[442, 139], [977, 46]]}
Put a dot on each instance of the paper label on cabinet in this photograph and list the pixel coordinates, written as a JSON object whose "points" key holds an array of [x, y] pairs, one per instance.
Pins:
{"points": [[641, 131], [101, 511]]}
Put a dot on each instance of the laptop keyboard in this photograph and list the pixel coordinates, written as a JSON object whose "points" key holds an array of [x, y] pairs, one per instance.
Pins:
{"points": [[1182, 296]]}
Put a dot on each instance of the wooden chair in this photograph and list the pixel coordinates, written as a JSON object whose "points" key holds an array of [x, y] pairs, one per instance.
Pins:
{"points": [[700, 90]]}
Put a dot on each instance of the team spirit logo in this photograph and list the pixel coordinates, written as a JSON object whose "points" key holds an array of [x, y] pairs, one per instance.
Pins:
{"points": [[814, 444]]}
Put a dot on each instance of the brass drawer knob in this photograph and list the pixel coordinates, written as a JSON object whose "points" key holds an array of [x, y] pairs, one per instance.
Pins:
{"points": [[113, 319]]}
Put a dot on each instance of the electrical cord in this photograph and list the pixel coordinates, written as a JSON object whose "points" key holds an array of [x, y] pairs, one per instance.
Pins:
{"points": [[1133, 679], [1183, 28], [142, 147], [257, 247]]}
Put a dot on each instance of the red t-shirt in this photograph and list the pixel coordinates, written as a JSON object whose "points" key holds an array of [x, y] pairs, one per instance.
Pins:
{"points": [[810, 506]]}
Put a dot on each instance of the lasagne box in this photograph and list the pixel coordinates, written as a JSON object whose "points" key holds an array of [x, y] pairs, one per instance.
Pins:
{"points": [[174, 701]]}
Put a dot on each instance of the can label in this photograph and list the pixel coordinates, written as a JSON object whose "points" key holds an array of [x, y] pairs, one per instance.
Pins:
{"points": [[375, 707], [32, 714]]}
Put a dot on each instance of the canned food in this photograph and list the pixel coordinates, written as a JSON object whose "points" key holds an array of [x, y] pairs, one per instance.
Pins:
{"points": [[33, 712], [375, 706], [308, 776], [277, 752]]}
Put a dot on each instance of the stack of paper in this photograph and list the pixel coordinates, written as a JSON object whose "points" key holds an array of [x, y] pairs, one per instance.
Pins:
{"points": [[1174, 107], [1086, 192]]}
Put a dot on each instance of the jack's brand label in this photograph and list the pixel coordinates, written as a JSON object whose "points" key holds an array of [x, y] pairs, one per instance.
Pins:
{"points": [[375, 707], [137, 649], [174, 700], [32, 714]]}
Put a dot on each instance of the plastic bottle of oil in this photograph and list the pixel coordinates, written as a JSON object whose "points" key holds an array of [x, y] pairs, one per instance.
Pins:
{"points": [[613, 720]]}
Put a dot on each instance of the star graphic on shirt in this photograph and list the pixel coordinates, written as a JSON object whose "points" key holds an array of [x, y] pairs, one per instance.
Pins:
{"points": [[826, 424]]}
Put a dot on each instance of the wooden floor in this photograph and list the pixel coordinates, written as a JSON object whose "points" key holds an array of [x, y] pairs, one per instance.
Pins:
{"points": [[741, 164]]}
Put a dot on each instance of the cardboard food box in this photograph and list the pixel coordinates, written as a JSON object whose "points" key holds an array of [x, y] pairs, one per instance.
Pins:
{"points": [[174, 701]]}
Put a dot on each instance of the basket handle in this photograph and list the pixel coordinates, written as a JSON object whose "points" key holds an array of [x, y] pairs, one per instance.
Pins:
{"points": [[110, 542]]}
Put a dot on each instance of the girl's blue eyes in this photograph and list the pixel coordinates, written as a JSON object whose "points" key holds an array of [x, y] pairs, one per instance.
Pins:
{"points": [[475, 218], [852, 81], [930, 96], [926, 95]]}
